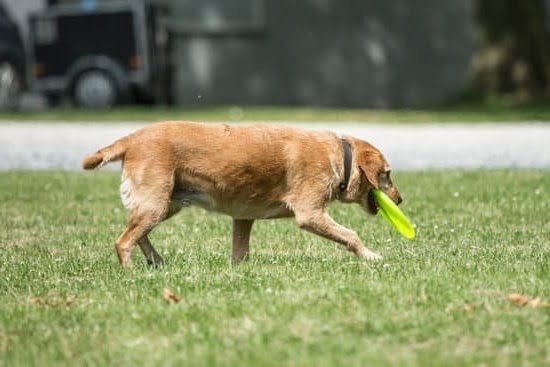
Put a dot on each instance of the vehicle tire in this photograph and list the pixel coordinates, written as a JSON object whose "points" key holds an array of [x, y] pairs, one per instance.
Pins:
{"points": [[95, 89], [10, 86]]}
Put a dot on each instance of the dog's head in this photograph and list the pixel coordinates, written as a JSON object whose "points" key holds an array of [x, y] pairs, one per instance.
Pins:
{"points": [[374, 174]]}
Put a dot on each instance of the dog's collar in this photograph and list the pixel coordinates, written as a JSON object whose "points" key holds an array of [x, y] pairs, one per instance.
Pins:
{"points": [[347, 165]]}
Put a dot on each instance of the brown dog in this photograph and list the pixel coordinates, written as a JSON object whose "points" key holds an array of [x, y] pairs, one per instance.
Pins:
{"points": [[247, 172]]}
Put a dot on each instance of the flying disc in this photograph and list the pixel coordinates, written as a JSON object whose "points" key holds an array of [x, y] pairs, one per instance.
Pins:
{"points": [[393, 215]]}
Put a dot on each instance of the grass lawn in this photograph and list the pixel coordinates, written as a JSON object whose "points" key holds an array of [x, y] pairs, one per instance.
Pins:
{"points": [[440, 299], [496, 112]]}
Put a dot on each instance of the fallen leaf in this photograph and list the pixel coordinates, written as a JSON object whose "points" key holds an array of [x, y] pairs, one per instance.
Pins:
{"points": [[35, 300], [518, 299], [538, 302], [522, 301], [53, 300], [170, 296]]}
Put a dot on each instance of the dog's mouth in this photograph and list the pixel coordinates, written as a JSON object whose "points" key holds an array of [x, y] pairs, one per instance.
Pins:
{"points": [[371, 203]]}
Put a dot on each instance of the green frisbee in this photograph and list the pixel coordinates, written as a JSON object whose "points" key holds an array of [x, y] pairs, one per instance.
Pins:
{"points": [[393, 215]]}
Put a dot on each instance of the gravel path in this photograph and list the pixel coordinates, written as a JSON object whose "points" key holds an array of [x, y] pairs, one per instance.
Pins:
{"points": [[42, 145]]}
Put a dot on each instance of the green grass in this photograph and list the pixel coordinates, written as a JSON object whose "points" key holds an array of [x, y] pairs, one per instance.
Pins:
{"points": [[457, 113], [299, 301]]}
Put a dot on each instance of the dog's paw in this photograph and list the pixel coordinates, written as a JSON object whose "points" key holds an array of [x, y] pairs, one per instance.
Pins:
{"points": [[155, 261], [366, 254]]}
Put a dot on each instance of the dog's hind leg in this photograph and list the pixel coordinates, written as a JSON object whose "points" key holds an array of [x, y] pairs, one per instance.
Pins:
{"points": [[152, 256], [149, 204], [139, 225], [241, 239]]}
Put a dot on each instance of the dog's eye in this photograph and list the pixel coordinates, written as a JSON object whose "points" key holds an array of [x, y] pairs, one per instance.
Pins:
{"points": [[384, 180]]}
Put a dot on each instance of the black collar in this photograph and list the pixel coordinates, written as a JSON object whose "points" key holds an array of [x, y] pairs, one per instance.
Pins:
{"points": [[347, 165]]}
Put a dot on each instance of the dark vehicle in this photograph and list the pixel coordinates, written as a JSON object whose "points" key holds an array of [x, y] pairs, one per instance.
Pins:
{"points": [[12, 61], [99, 56]]}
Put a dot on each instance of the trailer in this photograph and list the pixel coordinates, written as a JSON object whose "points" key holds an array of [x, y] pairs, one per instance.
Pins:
{"points": [[12, 61], [99, 55]]}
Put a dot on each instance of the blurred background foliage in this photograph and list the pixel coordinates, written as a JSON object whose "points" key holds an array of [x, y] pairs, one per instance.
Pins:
{"points": [[512, 54]]}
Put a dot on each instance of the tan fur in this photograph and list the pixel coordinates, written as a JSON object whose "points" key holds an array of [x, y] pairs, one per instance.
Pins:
{"points": [[247, 172]]}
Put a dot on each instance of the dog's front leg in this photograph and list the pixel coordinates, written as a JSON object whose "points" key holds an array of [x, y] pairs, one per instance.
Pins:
{"points": [[241, 239], [320, 223]]}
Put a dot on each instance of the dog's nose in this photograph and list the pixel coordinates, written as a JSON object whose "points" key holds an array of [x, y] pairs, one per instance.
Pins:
{"points": [[399, 199]]}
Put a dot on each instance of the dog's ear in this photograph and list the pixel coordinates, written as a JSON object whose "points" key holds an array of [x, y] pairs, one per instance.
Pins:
{"points": [[369, 161]]}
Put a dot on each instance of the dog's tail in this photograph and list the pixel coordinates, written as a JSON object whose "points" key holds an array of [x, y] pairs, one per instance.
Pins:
{"points": [[110, 153]]}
